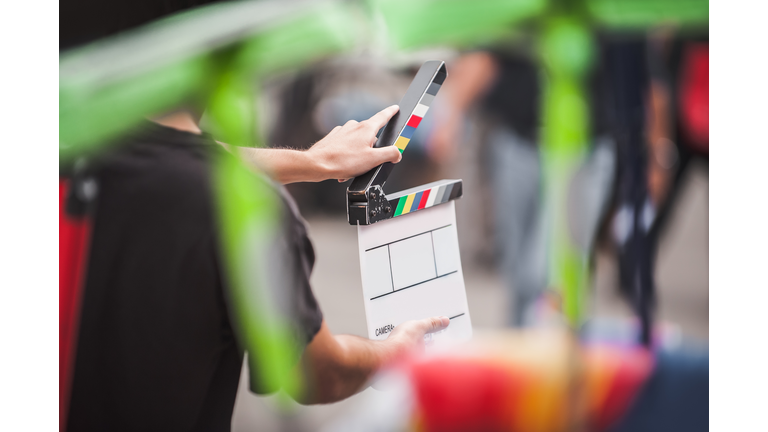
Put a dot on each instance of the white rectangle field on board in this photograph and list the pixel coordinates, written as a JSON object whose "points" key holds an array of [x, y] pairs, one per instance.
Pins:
{"points": [[378, 278], [412, 260]]}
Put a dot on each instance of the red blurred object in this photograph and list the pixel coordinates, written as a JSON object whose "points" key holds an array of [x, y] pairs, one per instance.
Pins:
{"points": [[464, 394], [629, 370], [549, 389], [694, 96], [74, 235]]}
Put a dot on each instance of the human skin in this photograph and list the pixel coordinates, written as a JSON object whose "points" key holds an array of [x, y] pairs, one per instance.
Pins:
{"points": [[338, 366]]}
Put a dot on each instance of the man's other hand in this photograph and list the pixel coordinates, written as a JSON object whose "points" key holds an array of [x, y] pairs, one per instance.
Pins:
{"points": [[409, 336], [338, 366]]}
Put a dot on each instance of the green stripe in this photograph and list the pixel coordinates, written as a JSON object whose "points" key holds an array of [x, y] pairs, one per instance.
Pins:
{"points": [[400, 204]]}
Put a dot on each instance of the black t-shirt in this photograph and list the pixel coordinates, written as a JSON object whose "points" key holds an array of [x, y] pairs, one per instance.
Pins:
{"points": [[513, 99], [156, 348]]}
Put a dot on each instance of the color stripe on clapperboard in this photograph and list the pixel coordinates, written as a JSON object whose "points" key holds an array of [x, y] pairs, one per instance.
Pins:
{"points": [[425, 199], [418, 113]]}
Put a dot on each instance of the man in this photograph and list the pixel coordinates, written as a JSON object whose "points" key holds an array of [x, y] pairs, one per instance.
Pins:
{"points": [[156, 348]]}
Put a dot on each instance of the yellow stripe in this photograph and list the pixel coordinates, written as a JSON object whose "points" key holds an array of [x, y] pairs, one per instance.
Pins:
{"points": [[408, 203], [401, 143]]}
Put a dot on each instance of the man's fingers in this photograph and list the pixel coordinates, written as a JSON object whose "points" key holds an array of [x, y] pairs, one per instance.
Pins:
{"points": [[434, 324], [382, 117]]}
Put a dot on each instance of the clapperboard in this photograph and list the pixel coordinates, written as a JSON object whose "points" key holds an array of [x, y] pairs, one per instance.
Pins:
{"points": [[409, 248]]}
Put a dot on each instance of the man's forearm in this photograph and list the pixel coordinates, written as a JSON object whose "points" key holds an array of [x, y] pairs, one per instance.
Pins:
{"points": [[286, 165], [347, 151], [338, 366]]}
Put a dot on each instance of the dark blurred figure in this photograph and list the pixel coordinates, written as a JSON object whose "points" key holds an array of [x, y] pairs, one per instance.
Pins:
{"points": [[657, 91], [627, 81], [505, 86], [679, 115]]}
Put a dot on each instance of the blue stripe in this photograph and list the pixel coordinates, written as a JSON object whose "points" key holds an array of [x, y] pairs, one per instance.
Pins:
{"points": [[416, 201], [408, 132]]}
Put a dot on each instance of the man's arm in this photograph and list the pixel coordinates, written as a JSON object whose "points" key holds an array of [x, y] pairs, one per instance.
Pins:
{"points": [[338, 366], [346, 152]]}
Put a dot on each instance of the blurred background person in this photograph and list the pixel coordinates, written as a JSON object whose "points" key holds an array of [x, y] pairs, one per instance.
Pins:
{"points": [[654, 85], [505, 86]]}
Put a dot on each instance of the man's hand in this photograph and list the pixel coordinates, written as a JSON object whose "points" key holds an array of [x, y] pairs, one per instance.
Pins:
{"points": [[409, 336], [338, 366], [347, 151]]}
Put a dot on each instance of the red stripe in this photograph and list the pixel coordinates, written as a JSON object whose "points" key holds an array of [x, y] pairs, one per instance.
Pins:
{"points": [[74, 238], [424, 197], [414, 121]]}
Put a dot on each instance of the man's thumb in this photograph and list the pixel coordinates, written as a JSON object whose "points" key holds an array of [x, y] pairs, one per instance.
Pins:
{"points": [[434, 324]]}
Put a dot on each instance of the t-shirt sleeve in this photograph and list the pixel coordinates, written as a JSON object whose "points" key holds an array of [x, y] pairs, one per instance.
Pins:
{"points": [[291, 261], [304, 307]]}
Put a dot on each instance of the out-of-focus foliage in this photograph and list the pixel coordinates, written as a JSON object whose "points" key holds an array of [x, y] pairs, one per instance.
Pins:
{"points": [[106, 88]]}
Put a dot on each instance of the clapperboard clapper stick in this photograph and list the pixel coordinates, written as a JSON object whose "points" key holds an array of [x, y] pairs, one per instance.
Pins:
{"points": [[366, 201]]}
